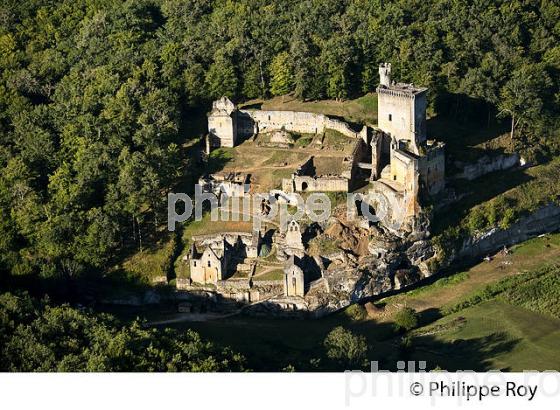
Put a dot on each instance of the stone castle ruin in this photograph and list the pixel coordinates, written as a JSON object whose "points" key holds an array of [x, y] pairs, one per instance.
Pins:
{"points": [[395, 160], [228, 125], [403, 163]]}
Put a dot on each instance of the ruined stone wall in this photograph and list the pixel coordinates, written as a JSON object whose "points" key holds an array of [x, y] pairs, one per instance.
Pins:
{"points": [[402, 166], [376, 155], [238, 284], [359, 153], [296, 121], [230, 236], [432, 169], [487, 164], [293, 121], [340, 126], [305, 183]]}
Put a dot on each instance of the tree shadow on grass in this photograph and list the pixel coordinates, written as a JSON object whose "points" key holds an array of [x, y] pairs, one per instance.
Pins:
{"points": [[473, 193], [463, 354], [462, 123]]}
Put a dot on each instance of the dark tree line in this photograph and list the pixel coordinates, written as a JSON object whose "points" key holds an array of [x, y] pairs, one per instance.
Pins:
{"points": [[38, 336]]}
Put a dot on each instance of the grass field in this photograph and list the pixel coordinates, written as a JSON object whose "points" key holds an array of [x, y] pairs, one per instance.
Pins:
{"points": [[494, 335]]}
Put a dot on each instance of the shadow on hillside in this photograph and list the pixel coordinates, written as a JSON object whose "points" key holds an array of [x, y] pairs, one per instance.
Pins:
{"points": [[463, 122], [473, 193], [428, 316], [461, 355], [253, 106]]}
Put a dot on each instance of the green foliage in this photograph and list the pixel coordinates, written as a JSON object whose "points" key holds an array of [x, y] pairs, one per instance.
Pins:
{"points": [[535, 187], [281, 74], [221, 78], [406, 319], [356, 312], [345, 347], [540, 294], [38, 336], [538, 291]]}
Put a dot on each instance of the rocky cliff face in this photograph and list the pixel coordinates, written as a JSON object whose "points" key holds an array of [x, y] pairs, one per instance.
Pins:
{"points": [[396, 263], [360, 271], [486, 165], [544, 220]]}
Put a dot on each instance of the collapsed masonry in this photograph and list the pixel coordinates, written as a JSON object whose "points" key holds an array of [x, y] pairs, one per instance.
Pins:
{"points": [[232, 184]]}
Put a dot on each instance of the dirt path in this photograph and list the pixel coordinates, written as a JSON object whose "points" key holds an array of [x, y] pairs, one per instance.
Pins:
{"points": [[267, 269]]}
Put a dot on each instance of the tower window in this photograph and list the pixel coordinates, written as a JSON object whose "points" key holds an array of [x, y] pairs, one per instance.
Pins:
{"points": [[209, 265], [390, 117]]}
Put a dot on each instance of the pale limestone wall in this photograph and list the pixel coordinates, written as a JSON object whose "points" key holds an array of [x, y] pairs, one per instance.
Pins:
{"points": [[234, 284], [376, 155], [401, 164], [222, 129], [293, 236], [226, 123], [293, 121], [288, 185], [359, 153], [403, 116], [296, 121], [294, 284], [230, 237], [340, 126], [323, 184], [432, 170], [224, 104], [207, 269], [488, 164]]}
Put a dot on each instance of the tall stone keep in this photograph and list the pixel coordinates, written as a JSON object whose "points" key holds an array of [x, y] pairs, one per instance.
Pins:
{"points": [[401, 110]]}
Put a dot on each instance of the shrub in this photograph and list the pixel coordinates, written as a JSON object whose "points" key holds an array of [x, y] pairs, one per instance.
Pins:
{"points": [[345, 347], [406, 319], [356, 312], [477, 220]]}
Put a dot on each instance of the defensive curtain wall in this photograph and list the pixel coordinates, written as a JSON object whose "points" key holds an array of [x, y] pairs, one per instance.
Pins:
{"points": [[293, 121]]}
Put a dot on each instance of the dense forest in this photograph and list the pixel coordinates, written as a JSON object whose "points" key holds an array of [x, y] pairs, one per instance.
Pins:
{"points": [[95, 97], [37, 336]]}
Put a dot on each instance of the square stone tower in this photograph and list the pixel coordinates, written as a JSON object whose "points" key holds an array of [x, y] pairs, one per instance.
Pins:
{"points": [[222, 123], [401, 110]]}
